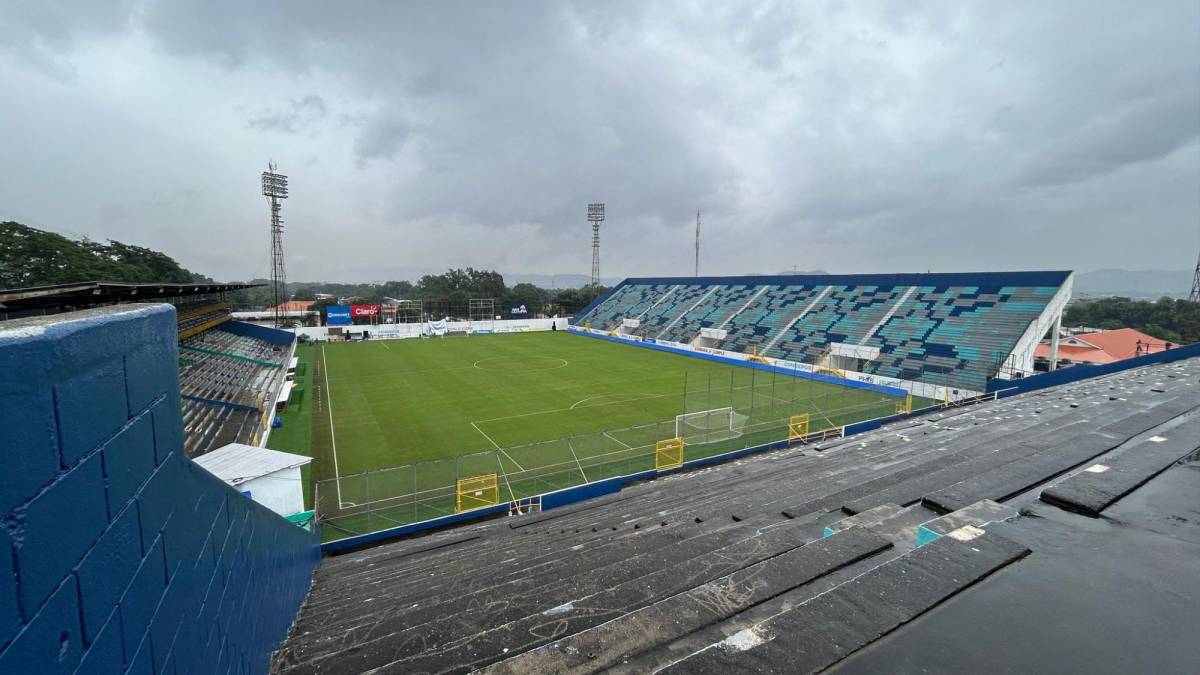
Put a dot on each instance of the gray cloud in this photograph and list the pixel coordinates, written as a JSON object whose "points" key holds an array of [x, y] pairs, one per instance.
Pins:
{"points": [[302, 113], [843, 136]]}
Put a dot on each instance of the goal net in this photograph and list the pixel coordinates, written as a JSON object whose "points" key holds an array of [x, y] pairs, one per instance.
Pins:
{"points": [[709, 426]]}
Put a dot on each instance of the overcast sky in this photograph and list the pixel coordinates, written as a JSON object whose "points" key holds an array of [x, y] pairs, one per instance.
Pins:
{"points": [[844, 136]]}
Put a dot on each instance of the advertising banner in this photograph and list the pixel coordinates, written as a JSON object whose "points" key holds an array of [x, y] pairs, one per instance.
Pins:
{"points": [[364, 310], [337, 315], [519, 311]]}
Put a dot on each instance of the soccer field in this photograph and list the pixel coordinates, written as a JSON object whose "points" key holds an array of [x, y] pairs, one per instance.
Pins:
{"points": [[539, 410]]}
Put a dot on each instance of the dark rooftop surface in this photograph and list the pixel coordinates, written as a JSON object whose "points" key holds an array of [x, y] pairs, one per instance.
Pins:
{"points": [[1086, 559], [90, 293]]}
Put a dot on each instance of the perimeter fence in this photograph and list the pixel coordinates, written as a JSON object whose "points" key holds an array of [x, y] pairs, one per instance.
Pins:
{"points": [[719, 412]]}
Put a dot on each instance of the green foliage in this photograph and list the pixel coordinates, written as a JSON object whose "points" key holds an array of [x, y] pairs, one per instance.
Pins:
{"points": [[447, 293], [1167, 319], [33, 257]]}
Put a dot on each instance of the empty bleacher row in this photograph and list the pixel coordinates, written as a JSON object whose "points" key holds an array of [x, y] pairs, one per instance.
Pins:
{"points": [[726, 569], [952, 329], [208, 426], [227, 384], [194, 319]]}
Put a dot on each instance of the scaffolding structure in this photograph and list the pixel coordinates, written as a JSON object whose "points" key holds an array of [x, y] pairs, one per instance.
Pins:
{"points": [[482, 314]]}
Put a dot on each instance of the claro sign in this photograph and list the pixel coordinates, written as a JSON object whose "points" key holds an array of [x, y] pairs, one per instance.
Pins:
{"points": [[364, 310]]}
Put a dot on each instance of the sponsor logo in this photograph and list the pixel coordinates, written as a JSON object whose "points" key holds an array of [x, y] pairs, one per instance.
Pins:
{"points": [[519, 310], [364, 310], [337, 315]]}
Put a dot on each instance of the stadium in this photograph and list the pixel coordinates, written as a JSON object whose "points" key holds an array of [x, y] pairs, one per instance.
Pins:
{"points": [[694, 474]]}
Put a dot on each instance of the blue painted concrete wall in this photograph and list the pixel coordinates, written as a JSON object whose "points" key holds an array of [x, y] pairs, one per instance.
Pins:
{"points": [[118, 554], [272, 335], [1084, 371]]}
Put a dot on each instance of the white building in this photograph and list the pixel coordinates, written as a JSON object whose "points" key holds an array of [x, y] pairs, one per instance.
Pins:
{"points": [[269, 477]]}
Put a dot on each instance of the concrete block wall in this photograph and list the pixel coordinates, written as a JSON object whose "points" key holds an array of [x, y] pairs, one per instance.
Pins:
{"points": [[117, 553]]}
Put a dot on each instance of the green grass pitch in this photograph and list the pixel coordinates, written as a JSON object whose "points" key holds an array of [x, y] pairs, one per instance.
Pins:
{"points": [[541, 410]]}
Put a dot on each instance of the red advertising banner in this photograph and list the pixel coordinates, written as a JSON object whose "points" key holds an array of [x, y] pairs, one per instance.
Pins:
{"points": [[364, 310]]}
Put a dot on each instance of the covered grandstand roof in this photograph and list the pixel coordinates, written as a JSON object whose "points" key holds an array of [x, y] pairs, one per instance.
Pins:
{"points": [[90, 293]]}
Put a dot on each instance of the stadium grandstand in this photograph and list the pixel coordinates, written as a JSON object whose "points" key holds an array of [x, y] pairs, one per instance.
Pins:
{"points": [[956, 331], [231, 374], [1010, 520]]}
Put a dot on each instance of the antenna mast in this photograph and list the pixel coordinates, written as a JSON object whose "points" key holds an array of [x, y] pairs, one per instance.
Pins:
{"points": [[275, 189]]}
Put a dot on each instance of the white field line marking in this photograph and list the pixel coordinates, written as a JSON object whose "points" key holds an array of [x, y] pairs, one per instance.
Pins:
{"points": [[385, 346], [627, 446], [489, 438], [564, 364], [519, 467], [636, 397], [576, 458], [337, 475], [502, 450]]}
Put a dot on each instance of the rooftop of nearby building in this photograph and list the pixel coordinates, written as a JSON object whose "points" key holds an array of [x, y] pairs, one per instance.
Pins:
{"points": [[1104, 346], [237, 463]]}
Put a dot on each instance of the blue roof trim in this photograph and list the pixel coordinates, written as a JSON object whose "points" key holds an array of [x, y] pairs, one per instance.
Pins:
{"points": [[1032, 278]]}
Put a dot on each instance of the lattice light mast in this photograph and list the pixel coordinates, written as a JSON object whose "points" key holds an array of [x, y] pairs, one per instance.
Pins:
{"points": [[595, 216], [1195, 295], [275, 189], [697, 243]]}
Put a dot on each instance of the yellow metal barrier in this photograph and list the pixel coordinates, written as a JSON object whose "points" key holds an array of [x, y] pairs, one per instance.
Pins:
{"points": [[477, 492], [797, 426], [668, 454], [756, 357], [905, 407]]}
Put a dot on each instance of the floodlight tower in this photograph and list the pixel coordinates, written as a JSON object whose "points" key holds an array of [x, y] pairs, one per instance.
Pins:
{"points": [[1195, 295], [697, 243], [275, 189], [595, 216]]}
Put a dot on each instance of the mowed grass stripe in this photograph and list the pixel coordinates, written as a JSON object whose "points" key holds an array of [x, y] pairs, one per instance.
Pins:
{"points": [[416, 401]]}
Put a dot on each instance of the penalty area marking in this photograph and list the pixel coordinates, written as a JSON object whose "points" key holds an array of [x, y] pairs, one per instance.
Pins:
{"points": [[635, 397], [497, 446]]}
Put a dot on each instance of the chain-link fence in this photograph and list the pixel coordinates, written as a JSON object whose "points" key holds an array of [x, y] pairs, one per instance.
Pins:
{"points": [[723, 411]]}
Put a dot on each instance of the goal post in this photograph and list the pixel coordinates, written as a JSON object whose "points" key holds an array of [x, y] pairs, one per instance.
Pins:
{"points": [[709, 426]]}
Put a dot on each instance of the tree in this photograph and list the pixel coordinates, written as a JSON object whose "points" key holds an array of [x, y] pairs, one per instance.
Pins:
{"points": [[1168, 319], [33, 257]]}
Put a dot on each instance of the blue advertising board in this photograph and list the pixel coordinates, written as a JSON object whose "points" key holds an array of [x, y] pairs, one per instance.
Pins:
{"points": [[519, 311], [337, 315]]}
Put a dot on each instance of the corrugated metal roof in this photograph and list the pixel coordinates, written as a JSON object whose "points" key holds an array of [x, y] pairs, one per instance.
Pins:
{"points": [[237, 463]]}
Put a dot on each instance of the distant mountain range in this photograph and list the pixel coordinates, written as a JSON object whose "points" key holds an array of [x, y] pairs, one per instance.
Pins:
{"points": [[1152, 284], [556, 280]]}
